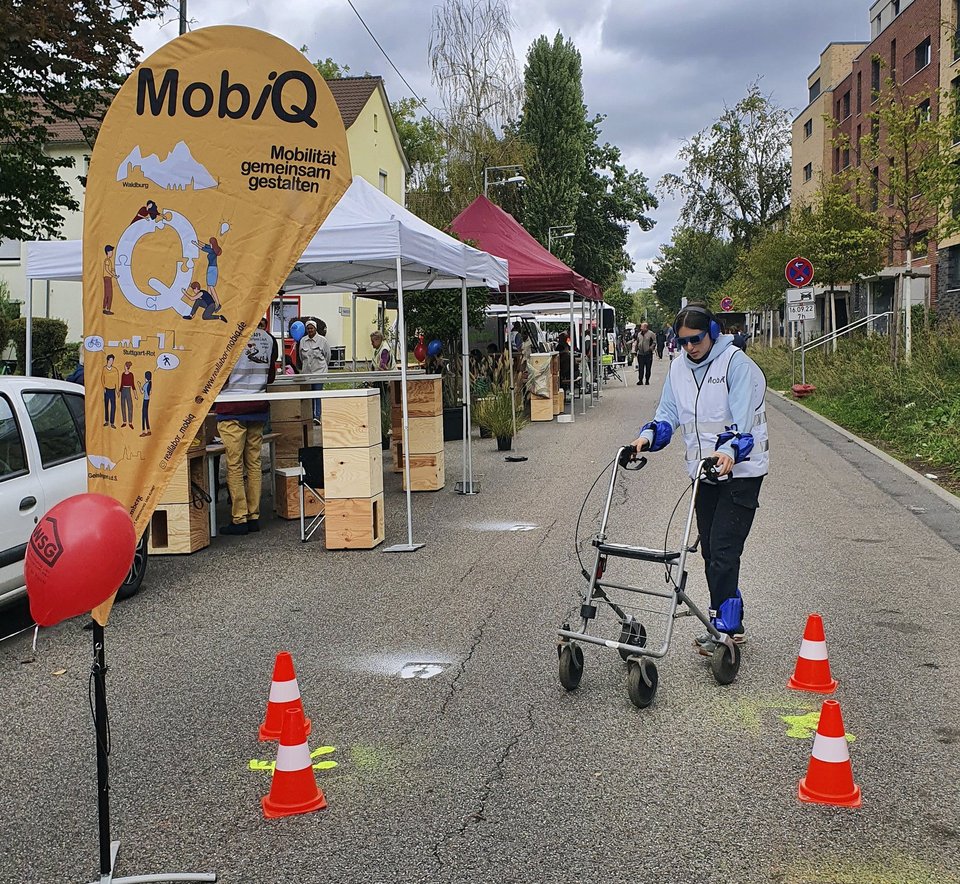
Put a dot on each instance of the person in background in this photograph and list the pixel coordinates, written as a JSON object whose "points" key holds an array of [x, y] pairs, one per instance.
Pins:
{"points": [[661, 342], [739, 338], [715, 394], [382, 357], [240, 425], [646, 344], [313, 357]]}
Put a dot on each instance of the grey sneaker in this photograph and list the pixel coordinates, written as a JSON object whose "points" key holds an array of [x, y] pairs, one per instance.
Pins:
{"points": [[706, 644]]}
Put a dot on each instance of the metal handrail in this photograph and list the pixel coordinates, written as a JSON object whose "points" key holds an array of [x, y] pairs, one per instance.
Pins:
{"points": [[826, 339]]}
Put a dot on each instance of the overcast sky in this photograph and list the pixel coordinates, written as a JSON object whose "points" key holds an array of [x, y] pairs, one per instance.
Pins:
{"points": [[660, 70]]}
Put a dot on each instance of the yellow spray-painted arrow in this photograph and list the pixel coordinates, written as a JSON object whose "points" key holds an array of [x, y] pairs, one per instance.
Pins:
{"points": [[805, 726], [256, 764]]}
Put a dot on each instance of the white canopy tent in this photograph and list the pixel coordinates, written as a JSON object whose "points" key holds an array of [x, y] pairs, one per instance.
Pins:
{"points": [[367, 243]]}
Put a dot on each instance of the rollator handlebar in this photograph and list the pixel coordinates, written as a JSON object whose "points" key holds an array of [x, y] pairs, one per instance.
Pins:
{"points": [[627, 458], [709, 467]]}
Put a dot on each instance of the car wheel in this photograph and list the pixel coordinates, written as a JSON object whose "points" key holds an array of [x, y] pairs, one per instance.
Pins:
{"points": [[131, 583]]}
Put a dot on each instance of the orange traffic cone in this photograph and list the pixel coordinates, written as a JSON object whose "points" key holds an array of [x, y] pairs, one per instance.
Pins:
{"points": [[293, 788], [812, 672], [829, 778], [284, 695]]}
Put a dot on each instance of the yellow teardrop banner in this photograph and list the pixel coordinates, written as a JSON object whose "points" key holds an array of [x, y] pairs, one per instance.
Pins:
{"points": [[217, 162]]}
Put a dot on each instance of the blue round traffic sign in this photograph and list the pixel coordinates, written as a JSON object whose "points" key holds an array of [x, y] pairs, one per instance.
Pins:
{"points": [[799, 272]]}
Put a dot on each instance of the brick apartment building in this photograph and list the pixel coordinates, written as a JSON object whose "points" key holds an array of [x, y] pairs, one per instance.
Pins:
{"points": [[915, 40]]}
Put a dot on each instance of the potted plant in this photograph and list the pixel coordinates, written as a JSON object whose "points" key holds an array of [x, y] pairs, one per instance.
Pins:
{"points": [[497, 411]]}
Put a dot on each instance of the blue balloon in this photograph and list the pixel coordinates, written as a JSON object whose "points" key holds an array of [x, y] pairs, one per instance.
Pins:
{"points": [[434, 348], [297, 330]]}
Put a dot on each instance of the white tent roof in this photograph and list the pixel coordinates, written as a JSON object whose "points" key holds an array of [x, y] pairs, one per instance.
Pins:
{"points": [[356, 247]]}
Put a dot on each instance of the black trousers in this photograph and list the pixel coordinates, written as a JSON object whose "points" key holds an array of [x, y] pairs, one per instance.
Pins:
{"points": [[725, 514], [644, 366]]}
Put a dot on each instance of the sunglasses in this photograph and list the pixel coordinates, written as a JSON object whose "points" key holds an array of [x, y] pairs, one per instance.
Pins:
{"points": [[691, 339]]}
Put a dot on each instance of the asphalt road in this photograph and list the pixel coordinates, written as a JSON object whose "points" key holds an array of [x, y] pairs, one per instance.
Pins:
{"points": [[490, 771]]}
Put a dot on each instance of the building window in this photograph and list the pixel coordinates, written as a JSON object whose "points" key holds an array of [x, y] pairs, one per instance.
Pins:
{"points": [[383, 181], [896, 7], [953, 267], [921, 55], [893, 60], [860, 88], [808, 171], [845, 158], [956, 29], [9, 250], [923, 111], [845, 105], [376, 127], [856, 144], [955, 108], [836, 159], [808, 128], [815, 89], [875, 78], [874, 190]]}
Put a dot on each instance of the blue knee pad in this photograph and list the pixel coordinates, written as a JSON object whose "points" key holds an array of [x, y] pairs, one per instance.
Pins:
{"points": [[730, 617]]}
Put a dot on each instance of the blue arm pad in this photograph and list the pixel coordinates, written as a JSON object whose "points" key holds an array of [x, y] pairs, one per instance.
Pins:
{"points": [[662, 434], [741, 443]]}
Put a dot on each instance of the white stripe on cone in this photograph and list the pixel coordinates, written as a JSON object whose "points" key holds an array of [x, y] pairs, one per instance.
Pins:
{"points": [[832, 750], [291, 758], [813, 650], [284, 691]]}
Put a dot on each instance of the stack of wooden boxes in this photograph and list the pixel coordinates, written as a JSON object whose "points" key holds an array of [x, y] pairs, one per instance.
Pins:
{"points": [[425, 430], [558, 393], [181, 521], [546, 365], [293, 420], [353, 470]]}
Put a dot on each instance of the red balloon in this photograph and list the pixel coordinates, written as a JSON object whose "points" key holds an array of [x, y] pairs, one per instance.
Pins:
{"points": [[78, 555], [420, 351]]}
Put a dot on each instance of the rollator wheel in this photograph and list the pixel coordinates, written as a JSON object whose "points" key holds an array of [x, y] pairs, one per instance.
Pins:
{"points": [[725, 663], [631, 633], [642, 680], [571, 666]]}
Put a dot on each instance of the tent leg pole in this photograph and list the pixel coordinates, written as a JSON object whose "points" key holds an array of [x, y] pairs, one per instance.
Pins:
{"points": [[353, 329], [564, 417], [28, 344], [467, 486], [513, 391], [409, 546], [584, 364]]}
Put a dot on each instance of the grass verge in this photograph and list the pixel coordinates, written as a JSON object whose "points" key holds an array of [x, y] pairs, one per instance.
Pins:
{"points": [[911, 412]]}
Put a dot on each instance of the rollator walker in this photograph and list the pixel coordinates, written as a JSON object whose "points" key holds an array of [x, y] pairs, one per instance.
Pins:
{"points": [[631, 643]]}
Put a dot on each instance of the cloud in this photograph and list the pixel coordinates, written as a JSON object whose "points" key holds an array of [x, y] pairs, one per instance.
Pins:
{"points": [[659, 71]]}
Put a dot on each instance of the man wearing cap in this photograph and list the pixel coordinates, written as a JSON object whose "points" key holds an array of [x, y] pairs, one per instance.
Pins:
{"points": [[313, 357]]}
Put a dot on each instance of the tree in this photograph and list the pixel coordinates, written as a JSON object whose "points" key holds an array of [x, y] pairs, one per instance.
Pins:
{"points": [[622, 301], [611, 198], [693, 266], [909, 172], [736, 179], [63, 60], [328, 68], [843, 240], [554, 125]]}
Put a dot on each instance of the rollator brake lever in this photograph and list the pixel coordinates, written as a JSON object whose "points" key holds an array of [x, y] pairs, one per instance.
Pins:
{"points": [[628, 459]]}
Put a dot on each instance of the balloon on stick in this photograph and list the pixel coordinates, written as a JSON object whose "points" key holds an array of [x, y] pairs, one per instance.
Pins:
{"points": [[77, 557]]}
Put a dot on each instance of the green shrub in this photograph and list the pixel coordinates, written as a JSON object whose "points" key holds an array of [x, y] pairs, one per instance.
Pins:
{"points": [[49, 336], [911, 410]]}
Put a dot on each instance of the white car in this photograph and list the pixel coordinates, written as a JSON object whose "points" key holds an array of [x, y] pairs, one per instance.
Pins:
{"points": [[42, 461]]}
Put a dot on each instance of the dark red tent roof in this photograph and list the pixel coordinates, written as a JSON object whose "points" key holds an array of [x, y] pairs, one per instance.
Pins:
{"points": [[533, 270]]}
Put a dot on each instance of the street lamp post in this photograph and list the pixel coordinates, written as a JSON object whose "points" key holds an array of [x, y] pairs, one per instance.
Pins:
{"points": [[561, 231], [515, 178]]}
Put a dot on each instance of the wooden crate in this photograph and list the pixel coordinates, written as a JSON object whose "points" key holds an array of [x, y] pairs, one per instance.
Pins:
{"points": [[352, 472], [541, 409], [396, 449], [424, 398], [351, 422], [192, 470], [426, 472], [282, 410], [286, 494], [294, 435], [354, 524], [558, 401], [179, 528], [425, 435]]}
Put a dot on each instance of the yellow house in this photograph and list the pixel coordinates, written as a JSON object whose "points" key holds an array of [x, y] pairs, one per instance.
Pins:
{"points": [[375, 155]]}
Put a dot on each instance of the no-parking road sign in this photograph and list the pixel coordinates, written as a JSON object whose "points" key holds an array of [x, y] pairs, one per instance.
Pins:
{"points": [[726, 305], [799, 272]]}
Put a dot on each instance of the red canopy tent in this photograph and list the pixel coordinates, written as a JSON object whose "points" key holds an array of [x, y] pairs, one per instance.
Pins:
{"points": [[533, 270], [535, 274]]}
